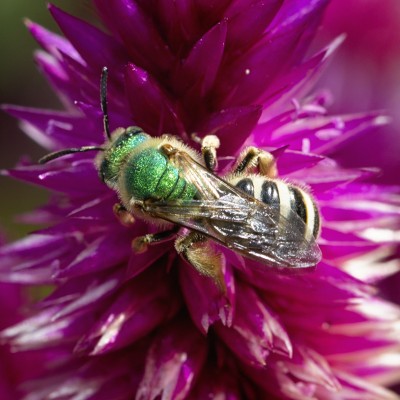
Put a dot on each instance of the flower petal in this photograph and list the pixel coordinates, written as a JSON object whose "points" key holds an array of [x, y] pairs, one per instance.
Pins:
{"points": [[255, 331], [137, 310], [204, 299], [98, 50], [137, 31], [173, 361], [150, 107]]}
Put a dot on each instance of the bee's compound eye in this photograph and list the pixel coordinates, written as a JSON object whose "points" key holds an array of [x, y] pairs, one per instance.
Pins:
{"points": [[133, 131], [103, 170], [130, 137]]}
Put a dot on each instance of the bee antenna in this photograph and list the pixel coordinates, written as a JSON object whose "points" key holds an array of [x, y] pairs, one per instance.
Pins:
{"points": [[103, 101], [61, 153]]}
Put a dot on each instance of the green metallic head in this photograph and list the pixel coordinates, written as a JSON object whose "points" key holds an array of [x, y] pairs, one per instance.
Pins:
{"points": [[114, 157]]}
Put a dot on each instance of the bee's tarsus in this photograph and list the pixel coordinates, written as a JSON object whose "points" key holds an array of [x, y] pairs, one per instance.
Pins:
{"points": [[209, 146], [123, 215], [139, 244]]}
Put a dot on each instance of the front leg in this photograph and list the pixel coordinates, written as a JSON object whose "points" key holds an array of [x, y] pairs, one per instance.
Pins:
{"points": [[209, 146], [196, 250]]}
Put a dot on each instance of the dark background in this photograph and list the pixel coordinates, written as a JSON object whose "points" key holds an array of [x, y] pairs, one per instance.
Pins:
{"points": [[22, 84]]}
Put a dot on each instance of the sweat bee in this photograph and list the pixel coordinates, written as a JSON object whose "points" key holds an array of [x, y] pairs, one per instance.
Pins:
{"points": [[162, 179]]}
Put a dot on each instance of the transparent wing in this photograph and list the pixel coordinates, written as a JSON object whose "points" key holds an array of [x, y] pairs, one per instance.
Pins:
{"points": [[238, 221]]}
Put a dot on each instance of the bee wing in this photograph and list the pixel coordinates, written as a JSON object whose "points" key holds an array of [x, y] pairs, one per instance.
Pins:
{"points": [[238, 221]]}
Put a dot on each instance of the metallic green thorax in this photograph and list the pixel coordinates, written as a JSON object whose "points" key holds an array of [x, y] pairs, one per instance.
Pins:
{"points": [[149, 175], [143, 171], [115, 157]]}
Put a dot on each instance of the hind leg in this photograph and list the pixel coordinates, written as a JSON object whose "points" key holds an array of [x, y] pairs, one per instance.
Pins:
{"points": [[197, 251]]}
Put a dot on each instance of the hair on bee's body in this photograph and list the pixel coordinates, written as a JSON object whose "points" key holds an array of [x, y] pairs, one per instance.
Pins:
{"points": [[282, 196]]}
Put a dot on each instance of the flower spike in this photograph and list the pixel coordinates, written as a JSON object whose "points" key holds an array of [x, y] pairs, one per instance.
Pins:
{"points": [[240, 70]]}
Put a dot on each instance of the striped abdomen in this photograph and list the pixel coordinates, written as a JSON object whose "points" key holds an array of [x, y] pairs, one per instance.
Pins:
{"points": [[282, 197]]}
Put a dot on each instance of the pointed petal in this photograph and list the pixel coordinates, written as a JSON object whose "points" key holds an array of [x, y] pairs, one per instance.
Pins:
{"points": [[98, 49], [179, 23], [150, 107], [356, 388], [248, 24], [321, 285], [57, 77], [201, 66], [39, 332], [137, 31], [51, 42], [255, 331], [296, 378], [325, 133], [145, 304], [61, 177], [253, 71], [204, 299], [96, 255], [57, 128], [173, 361]]}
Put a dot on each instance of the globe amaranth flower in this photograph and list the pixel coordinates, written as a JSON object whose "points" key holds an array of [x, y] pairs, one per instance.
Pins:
{"points": [[123, 325]]}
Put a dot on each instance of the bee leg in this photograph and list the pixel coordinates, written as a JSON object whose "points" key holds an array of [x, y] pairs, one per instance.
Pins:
{"points": [[196, 250], [139, 244], [267, 164], [123, 215], [209, 146], [253, 157]]}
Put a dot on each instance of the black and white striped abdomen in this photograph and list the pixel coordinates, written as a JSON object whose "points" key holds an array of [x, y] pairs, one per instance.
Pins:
{"points": [[283, 197]]}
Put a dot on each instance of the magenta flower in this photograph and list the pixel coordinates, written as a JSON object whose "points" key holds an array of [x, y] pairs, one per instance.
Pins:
{"points": [[123, 325]]}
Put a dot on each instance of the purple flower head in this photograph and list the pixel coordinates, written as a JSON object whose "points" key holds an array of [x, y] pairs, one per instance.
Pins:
{"points": [[123, 324]]}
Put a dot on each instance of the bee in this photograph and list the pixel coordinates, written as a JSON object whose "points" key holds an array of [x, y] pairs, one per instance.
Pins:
{"points": [[162, 180]]}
